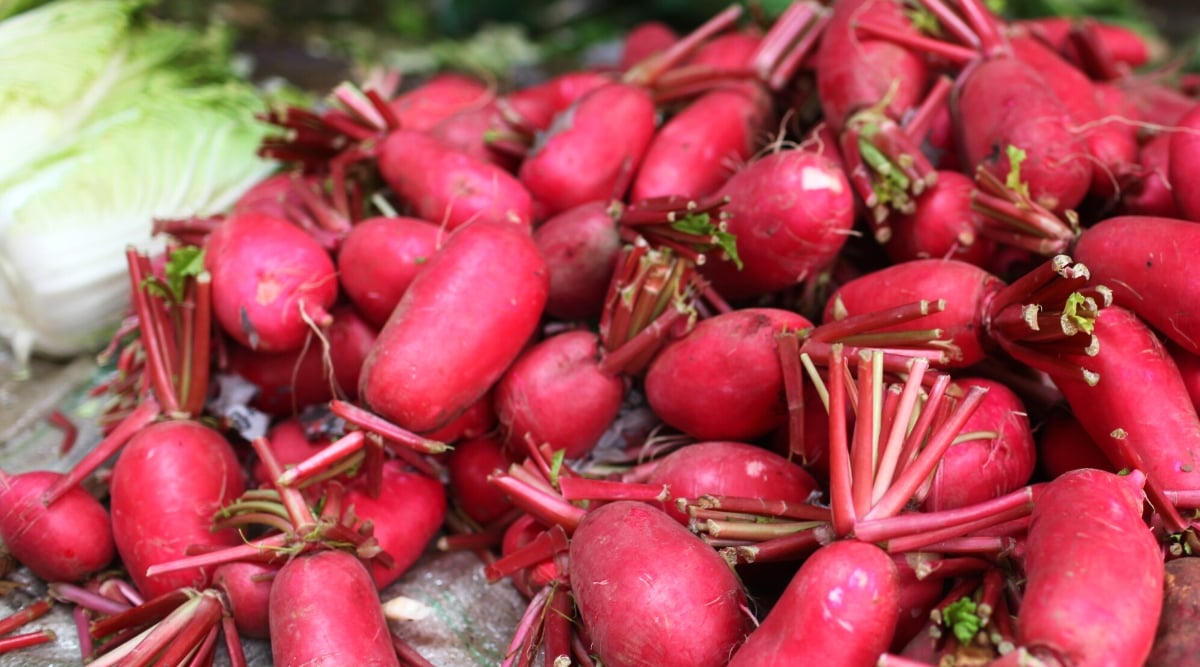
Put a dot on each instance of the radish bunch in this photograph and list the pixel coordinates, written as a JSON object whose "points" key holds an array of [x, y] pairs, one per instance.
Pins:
{"points": [[791, 341]]}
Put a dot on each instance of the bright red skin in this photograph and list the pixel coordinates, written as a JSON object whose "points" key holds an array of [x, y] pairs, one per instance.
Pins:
{"points": [[538, 105], [644, 40], [67, 541], [531, 579], [247, 587], [650, 592], [1185, 150], [556, 394], [407, 515], [1151, 194], [727, 51], [265, 270], [1161, 424], [724, 468], [1148, 264], [442, 96], [722, 381], [854, 73], [840, 608], [379, 259], [291, 381], [479, 418], [591, 148], [918, 596], [169, 480], [1001, 102], [1064, 445], [791, 212], [581, 246], [290, 445], [941, 222], [468, 132], [463, 320], [1112, 144], [1123, 44], [325, 612], [978, 470], [448, 186], [700, 147], [1094, 573], [469, 466], [967, 289], [1189, 369]]}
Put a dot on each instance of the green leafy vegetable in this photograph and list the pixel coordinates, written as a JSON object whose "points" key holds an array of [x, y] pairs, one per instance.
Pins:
{"points": [[1016, 157], [961, 618], [701, 225]]}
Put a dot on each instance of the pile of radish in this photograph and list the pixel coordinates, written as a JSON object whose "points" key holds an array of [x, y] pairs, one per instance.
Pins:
{"points": [[865, 335]]}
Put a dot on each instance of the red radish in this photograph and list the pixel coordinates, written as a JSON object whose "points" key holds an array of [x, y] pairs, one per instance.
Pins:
{"points": [[469, 465], [918, 596], [1152, 194], [1000, 458], [537, 106], [449, 187], [379, 259], [168, 482], [290, 381], [485, 134], [1125, 45], [722, 381], [1189, 369], [67, 541], [407, 514], [1159, 429], [1147, 273], [699, 148], [790, 213], [729, 51], [1111, 144], [450, 339], [644, 40], [841, 609], [592, 150], [291, 445], [942, 226], [438, 98], [730, 469], [581, 246], [555, 393], [1093, 573], [681, 607], [1185, 147], [1064, 445], [247, 588], [270, 280], [477, 420], [325, 612], [1004, 101]]}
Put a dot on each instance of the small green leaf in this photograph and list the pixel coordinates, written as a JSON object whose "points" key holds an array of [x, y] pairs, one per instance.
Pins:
{"points": [[186, 262], [556, 464], [961, 617], [1016, 156], [1074, 316], [701, 225]]}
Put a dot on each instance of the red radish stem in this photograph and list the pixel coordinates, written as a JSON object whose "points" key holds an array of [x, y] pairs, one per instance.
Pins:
{"points": [[26, 640], [27, 614]]}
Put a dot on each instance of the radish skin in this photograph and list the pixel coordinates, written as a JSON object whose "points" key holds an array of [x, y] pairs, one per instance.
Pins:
{"points": [[67, 541], [379, 259]]}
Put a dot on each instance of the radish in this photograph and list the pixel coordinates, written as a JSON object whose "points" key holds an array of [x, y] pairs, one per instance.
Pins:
{"points": [[841, 609], [645, 39], [291, 445], [469, 465], [997, 459], [1156, 432], [67, 541], [290, 381], [1147, 275], [722, 381], [476, 421], [1124, 45], [1064, 445], [407, 514], [791, 212], [1151, 193], [556, 393], [168, 482], [581, 246], [592, 151], [942, 225], [247, 589], [1094, 573], [325, 611], [1185, 145], [723, 468], [441, 96], [270, 281], [449, 187], [682, 607], [447, 342], [379, 259]]}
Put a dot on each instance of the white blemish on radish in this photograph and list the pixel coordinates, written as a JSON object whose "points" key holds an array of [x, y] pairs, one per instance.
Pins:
{"points": [[755, 468], [815, 178]]}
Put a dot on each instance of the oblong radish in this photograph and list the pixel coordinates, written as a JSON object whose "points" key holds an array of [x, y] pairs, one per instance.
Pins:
{"points": [[66, 541], [379, 259]]}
